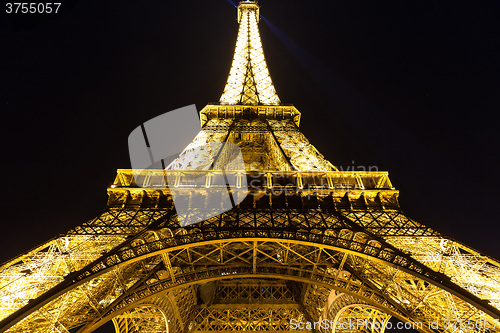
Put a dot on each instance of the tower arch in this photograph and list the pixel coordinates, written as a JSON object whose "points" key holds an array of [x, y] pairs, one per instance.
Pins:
{"points": [[304, 229]]}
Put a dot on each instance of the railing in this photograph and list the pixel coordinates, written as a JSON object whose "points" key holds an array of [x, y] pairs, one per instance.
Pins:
{"points": [[188, 179], [277, 112]]}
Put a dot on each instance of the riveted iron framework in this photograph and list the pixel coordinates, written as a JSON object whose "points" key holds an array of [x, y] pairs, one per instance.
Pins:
{"points": [[308, 243], [249, 82]]}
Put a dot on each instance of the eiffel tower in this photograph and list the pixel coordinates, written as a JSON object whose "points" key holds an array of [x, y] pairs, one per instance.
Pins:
{"points": [[309, 244]]}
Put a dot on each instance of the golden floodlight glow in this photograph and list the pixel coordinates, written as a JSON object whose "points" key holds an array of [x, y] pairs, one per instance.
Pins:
{"points": [[249, 81], [309, 243]]}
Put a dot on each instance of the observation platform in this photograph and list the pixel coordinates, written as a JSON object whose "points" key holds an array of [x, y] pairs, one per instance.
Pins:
{"points": [[271, 189]]}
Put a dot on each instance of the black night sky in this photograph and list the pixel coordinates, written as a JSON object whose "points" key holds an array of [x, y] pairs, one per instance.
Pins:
{"points": [[411, 87]]}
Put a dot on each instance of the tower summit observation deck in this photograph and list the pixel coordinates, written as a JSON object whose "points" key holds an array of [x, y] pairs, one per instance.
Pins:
{"points": [[308, 244]]}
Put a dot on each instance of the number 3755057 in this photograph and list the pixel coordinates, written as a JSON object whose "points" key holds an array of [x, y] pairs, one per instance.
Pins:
{"points": [[32, 7]]}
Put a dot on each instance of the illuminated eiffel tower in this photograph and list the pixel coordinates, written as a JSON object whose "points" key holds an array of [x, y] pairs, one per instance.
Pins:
{"points": [[309, 243]]}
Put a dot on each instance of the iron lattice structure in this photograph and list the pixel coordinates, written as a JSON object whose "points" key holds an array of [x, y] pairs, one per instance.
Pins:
{"points": [[308, 243]]}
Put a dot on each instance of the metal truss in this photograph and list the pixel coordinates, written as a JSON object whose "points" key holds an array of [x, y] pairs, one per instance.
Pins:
{"points": [[309, 243], [240, 305], [30, 275], [347, 313], [367, 319], [213, 319], [301, 154], [168, 312], [314, 299], [250, 305], [251, 291], [198, 154], [466, 267], [147, 319], [271, 145], [249, 82], [308, 246]]}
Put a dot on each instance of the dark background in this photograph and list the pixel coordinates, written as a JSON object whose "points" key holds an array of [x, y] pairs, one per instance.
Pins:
{"points": [[408, 86]]}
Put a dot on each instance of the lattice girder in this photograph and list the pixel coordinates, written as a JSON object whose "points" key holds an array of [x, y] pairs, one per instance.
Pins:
{"points": [[243, 318], [368, 320], [249, 81], [345, 312], [144, 319], [314, 300], [281, 139], [305, 230], [360, 289], [251, 291], [320, 243], [321, 239]]}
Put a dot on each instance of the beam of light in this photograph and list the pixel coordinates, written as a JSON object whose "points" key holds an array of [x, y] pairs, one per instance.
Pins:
{"points": [[232, 3], [369, 119], [356, 109], [323, 76]]}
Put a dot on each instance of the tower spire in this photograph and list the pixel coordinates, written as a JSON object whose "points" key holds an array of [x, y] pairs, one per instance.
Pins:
{"points": [[249, 81], [284, 238]]}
